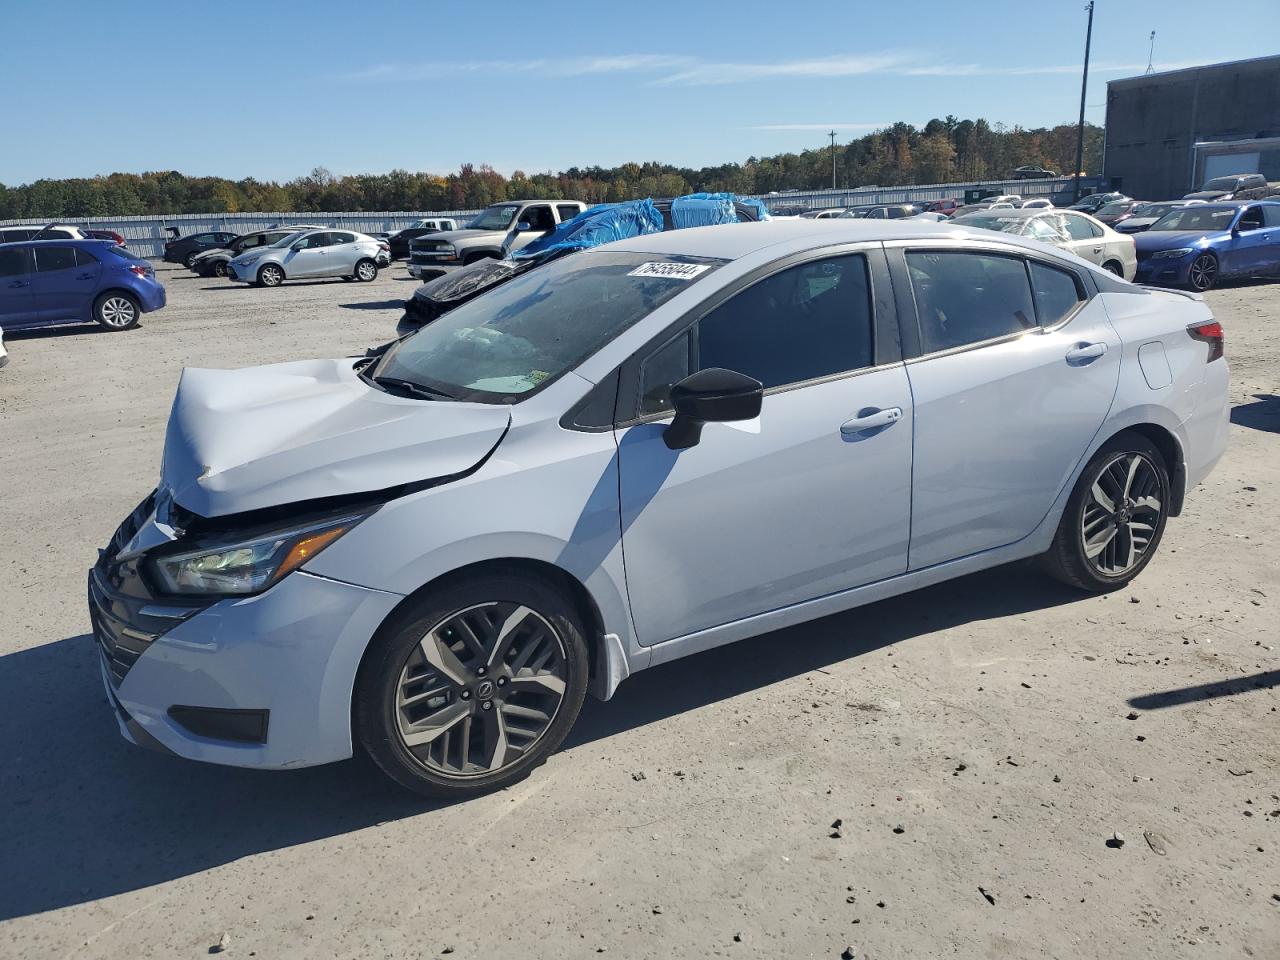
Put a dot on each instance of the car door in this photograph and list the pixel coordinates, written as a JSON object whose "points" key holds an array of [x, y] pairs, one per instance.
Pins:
{"points": [[1246, 252], [308, 257], [811, 498], [540, 220], [17, 301], [341, 255], [64, 282], [1084, 237], [1270, 255], [1014, 369]]}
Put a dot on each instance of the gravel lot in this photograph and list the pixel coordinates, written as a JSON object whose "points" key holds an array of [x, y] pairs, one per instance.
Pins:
{"points": [[980, 740]]}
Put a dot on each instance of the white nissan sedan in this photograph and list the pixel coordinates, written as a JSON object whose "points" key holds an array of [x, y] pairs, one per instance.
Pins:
{"points": [[628, 455]]}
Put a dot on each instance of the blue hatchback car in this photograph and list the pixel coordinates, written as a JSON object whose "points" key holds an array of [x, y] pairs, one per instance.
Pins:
{"points": [[1197, 246], [45, 282]]}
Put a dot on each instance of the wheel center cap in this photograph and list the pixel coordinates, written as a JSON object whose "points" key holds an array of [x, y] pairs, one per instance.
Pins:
{"points": [[485, 689]]}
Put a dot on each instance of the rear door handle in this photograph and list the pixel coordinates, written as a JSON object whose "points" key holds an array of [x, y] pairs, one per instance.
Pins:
{"points": [[1084, 352], [870, 421]]}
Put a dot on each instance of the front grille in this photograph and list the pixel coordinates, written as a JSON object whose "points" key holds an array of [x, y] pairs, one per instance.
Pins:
{"points": [[118, 628]]}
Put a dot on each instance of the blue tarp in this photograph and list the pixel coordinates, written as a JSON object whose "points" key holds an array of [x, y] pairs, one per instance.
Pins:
{"points": [[703, 210], [600, 224]]}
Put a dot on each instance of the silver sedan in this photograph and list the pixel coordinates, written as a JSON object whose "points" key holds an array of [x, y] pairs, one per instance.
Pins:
{"points": [[309, 255], [1071, 230]]}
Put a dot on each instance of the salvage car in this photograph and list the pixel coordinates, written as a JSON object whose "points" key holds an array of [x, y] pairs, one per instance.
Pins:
{"points": [[310, 255], [1199, 245], [49, 282], [627, 456], [213, 263], [601, 224], [184, 250], [1068, 229], [1240, 186], [1145, 214], [497, 230]]}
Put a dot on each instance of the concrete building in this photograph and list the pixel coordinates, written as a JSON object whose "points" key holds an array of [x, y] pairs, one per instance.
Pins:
{"points": [[1169, 132]]}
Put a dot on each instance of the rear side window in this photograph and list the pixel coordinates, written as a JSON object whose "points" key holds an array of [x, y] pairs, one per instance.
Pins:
{"points": [[335, 238], [49, 259], [84, 258], [965, 298], [1056, 293], [13, 263], [1040, 228], [566, 211], [1078, 228], [1272, 214], [56, 235]]}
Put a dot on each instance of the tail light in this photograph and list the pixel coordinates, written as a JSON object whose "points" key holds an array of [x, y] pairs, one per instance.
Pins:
{"points": [[139, 269], [1210, 333], [382, 244]]}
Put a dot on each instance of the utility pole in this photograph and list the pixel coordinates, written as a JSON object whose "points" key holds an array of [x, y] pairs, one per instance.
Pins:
{"points": [[832, 135], [1084, 86], [1151, 54]]}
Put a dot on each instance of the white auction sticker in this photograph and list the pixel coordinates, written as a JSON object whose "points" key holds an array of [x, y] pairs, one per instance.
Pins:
{"points": [[672, 271]]}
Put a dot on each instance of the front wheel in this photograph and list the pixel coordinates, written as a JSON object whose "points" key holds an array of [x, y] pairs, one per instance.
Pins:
{"points": [[1203, 273], [219, 268], [366, 270], [270, 276], [472, 686], [1115, 518], [190, 259], [117, 311]]}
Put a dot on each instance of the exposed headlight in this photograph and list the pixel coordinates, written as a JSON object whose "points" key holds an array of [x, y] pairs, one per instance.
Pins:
{"points": [[1180, 252], [248, 566]]}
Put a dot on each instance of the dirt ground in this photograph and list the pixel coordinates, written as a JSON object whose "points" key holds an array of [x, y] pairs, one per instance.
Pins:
{"points": [[981, 740]]}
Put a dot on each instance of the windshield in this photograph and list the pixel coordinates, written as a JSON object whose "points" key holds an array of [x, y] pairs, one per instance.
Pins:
{"points": [[1154, 209], [1196, 218], [1005, 224], [497, 217], [1221, 183], [1114, 209], [527, 332]]}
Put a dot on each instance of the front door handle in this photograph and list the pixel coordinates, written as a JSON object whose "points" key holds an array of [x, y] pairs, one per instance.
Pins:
{"points": [[1084, 352], [19, 283], [870, 421]]}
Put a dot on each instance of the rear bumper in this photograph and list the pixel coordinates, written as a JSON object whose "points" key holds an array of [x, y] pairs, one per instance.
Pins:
{"points": [[152, 297]]}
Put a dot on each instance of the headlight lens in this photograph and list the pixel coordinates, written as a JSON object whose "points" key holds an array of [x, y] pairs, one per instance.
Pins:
{"points": [[248, 261], [248, 566], [1162, 254]]}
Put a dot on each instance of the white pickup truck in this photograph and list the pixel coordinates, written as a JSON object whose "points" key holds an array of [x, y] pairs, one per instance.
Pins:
{"points": [[496, 230]]}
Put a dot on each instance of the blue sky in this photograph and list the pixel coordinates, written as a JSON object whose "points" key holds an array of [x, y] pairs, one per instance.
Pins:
{"points": [[272, 88]]}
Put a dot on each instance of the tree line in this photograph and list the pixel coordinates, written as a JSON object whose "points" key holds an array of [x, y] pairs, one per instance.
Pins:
{"points": [[942, 151]]}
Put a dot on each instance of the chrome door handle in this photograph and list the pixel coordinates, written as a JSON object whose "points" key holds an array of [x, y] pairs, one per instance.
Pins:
{"points": [[1083, 352], [877, 418]]}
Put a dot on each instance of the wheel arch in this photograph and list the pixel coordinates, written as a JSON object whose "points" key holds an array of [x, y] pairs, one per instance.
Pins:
{"points": [[106, 292], [257, 274], [1170, 447]]}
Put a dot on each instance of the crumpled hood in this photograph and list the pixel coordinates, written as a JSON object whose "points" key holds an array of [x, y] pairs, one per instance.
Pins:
{"points": [[1207, 195], [1149, 241], [263, 436], [215, 251]]}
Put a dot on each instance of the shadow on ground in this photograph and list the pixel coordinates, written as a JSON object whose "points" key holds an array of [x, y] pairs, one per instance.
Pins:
{"points": [[62, 330], [374, 305], [1263, 414], [1206, 691], [87, 816]]}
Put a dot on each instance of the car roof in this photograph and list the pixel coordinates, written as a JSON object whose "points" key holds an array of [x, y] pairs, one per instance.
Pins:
{"points": [[731, 241]]}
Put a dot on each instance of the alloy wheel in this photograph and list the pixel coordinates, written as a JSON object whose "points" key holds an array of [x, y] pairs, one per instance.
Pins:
{"points": [[117, 312], [1122, 514], [271, 276], [1204, 271], [219, 268], [480, 689], [366, 271]]}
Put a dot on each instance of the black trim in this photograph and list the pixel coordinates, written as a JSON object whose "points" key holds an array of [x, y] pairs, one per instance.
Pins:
{"points": [[595, 412], [904, 299], [220, 723]]}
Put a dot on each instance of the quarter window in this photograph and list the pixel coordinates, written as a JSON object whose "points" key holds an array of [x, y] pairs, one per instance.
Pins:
{"points": [[1056, 293], [663, 370], [49, 259], [965, 298], [84, 258]]}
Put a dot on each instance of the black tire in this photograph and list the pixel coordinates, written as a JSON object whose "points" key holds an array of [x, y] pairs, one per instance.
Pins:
{"points": [[1068, 557], [1112, 267], [1203, 273], [117, 310], [219, 268], [378, 716], [190, 259], [366, 270], [270, 275]]}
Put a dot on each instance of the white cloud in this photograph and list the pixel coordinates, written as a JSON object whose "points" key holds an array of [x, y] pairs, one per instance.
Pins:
{"points": [[709, 73]]}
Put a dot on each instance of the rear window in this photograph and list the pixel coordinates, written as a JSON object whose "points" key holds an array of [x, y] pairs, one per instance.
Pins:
{"points": [[120, 252]]}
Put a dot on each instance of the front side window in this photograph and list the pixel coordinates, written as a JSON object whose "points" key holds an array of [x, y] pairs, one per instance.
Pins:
{"points": [[964, 298], [1078, 228], [49, 259], [1251, 219], [13, 263], [527, 332], [311, 241]]}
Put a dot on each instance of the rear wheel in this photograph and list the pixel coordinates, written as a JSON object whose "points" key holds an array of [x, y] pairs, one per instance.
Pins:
{"points": [[366, 270], [1112, 267], [1203, 273], [117, 311], [473, 686], [1115, 518], [270, 275]]}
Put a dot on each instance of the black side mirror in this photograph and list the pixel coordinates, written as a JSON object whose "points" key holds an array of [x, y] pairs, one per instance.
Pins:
{"points": [[714, 395]]}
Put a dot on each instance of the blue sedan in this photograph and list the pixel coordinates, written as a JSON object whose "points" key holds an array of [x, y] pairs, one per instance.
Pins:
{"points": [[1197, 246], [46, 282]]}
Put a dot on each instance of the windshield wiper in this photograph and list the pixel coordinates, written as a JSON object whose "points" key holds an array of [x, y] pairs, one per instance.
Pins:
{"points": [[410, 387]]}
